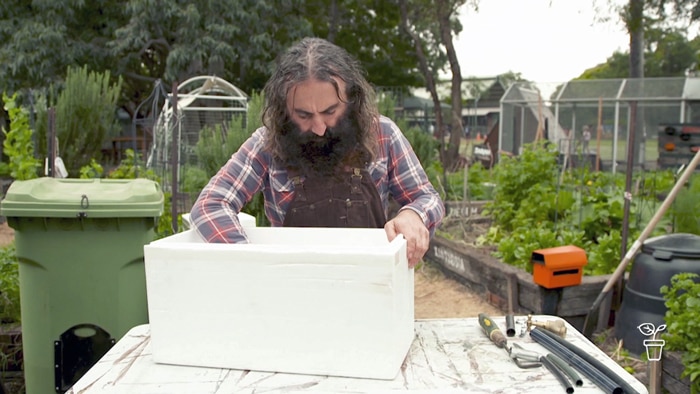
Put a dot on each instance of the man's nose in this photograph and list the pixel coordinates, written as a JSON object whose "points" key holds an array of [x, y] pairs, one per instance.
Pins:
{"points": [[318, 127]]}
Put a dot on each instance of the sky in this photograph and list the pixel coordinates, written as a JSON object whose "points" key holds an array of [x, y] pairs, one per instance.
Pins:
{"points": [[547, 41]]}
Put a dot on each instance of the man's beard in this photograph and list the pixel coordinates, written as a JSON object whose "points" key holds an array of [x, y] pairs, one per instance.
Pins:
{"points": [[309, 154]]}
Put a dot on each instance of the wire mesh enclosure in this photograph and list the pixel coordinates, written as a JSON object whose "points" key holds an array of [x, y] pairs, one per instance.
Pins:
{"points": [[601, 121], [203, 103]]}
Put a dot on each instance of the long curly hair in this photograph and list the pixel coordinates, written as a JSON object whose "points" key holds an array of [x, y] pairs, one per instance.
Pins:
{"points": [[316, 58]]}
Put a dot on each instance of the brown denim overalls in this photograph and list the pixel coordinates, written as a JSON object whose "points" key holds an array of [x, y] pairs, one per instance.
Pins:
{"points": [[349, 201]]}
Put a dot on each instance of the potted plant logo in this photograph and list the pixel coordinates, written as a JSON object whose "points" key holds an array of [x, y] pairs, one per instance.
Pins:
{"points": [[653, 345]]}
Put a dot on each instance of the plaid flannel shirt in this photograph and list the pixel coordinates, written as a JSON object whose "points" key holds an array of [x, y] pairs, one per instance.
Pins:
{"points": [[396, 171]]}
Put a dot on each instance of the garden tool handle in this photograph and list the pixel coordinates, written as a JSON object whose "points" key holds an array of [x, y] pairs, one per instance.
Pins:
{"points": [[492, 331]]}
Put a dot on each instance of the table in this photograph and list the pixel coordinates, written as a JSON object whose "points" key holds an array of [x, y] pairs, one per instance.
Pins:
{"points": [[447, 356]]}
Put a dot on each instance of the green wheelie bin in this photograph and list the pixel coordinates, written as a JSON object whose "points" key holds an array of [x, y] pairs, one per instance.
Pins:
{"points": [[79, 244]]}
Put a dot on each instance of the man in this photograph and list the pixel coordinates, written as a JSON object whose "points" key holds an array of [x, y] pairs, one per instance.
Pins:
{"points": [[586, 139], [323, 158]]}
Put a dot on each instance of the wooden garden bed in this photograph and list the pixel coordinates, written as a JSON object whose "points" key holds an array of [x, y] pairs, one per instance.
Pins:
{"points": [[671, 372], [510, 288]]}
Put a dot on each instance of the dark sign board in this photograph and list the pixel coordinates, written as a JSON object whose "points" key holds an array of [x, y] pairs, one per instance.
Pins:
{"points": [[482, 153]]}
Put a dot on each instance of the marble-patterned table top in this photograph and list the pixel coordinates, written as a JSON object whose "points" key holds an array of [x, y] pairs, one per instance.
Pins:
{"points": [[447, 356]]}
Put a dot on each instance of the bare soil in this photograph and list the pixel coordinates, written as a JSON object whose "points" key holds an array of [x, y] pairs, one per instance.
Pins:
{"points": [[7, 234], [439, 296]]}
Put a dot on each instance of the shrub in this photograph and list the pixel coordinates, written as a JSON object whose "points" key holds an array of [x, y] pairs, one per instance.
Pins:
{"points": [[216, 145], [686, 208], [536, 205], [85, 117]]}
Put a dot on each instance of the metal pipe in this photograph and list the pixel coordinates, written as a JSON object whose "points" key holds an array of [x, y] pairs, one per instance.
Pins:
{"points": [[510, 325], [595, 363], [598, 378]]}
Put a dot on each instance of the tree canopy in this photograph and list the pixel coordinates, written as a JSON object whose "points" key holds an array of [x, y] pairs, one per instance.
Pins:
{"points": [[147, 40], [667, 53]]}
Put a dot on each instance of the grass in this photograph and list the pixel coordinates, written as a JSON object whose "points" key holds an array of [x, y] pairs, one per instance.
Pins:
{"points": [[651, 149]]}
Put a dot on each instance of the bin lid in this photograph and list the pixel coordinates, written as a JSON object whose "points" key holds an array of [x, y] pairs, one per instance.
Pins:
{"points": [[89, 198], [673, 245]]}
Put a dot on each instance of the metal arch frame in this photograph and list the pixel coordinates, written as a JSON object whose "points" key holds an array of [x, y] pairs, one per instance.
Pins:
{"points": [[210, 84]]}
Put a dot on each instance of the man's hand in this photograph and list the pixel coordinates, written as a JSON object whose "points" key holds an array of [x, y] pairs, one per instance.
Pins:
{"points": [[410, 225]]}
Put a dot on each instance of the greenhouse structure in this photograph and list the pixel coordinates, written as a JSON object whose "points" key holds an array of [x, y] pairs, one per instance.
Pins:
{"points": [[664, 114]]}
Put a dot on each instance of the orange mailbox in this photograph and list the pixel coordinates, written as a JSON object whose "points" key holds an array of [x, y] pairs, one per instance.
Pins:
{"points": [[558, 267]]}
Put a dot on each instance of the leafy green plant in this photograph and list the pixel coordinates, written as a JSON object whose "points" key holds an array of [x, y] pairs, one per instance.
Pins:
{"points": [[479, 181], [10, 310], [9, 283], [18, 145], [479, 186], [515, 178], [682, 300], [604, 254], [130, 168], [537, 206], [94, 170]]}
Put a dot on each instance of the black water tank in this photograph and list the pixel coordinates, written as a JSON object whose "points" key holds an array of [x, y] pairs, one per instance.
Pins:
{"points": [[642, 302]]}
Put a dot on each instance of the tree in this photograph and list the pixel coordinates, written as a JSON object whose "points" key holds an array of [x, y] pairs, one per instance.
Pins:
{"points": [[656, 28], [147, 40], [684, 9], [425, 44], [369, 30], [616, 66], [173, 41], [431, 25], [634, 20], [40, 39], [446, 11], [668, 53]]}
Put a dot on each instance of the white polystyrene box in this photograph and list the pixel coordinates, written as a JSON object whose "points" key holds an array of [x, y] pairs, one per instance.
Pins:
{"points": [[320, 301]]}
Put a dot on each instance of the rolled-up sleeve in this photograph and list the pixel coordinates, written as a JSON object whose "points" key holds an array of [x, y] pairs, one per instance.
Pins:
{"points": [[214, 215], [408, 183]]}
